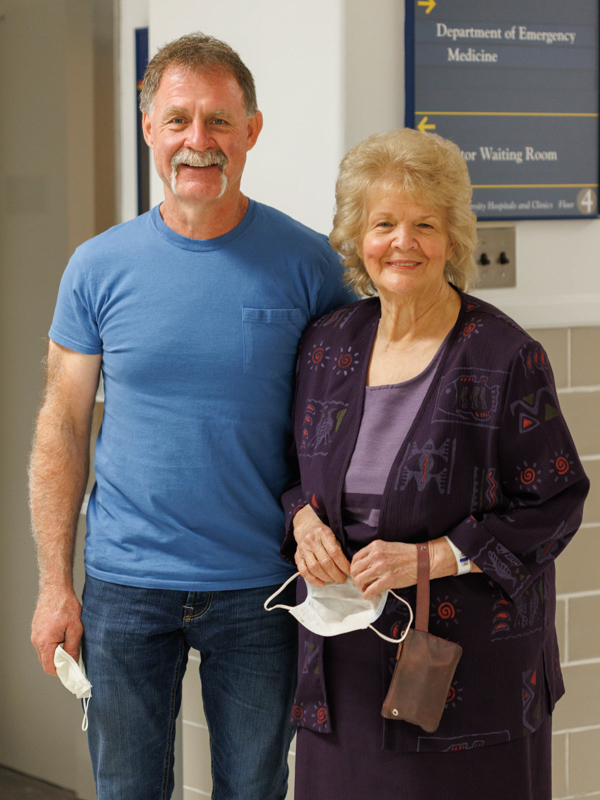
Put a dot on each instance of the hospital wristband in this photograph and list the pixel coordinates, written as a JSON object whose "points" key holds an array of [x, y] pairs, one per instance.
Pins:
{"points": [[464, 564]]}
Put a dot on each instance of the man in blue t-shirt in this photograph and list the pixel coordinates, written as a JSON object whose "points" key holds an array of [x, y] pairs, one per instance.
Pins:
{"points": [[192, 313]]}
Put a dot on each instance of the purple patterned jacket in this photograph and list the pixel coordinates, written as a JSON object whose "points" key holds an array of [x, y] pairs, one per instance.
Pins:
{"points": [[489, 461]]}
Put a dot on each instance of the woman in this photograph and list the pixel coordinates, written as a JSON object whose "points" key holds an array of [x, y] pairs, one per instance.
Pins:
{"points": [[423, 414]]}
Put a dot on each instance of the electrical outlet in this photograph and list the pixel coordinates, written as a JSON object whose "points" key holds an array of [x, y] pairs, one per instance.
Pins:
{"points": [[495, 255]]}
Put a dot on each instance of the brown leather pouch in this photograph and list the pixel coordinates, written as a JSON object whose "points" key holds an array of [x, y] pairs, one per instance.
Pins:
{"points": [[425, 665]]}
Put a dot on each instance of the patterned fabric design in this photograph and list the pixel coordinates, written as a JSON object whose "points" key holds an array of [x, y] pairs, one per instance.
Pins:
{"points": [[488, 461]]}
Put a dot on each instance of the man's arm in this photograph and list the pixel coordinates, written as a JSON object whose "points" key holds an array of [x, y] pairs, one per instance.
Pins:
{"points": [[58, 475]]}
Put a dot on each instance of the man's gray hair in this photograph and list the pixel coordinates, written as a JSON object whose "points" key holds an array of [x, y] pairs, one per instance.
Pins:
{"points": [[200, 53]]}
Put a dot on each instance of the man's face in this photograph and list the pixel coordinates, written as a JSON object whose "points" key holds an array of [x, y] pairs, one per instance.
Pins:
{"points": [[199, 134]]}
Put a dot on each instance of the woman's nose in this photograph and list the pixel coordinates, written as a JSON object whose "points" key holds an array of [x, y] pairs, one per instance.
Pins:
{"points": [[404, 238]]}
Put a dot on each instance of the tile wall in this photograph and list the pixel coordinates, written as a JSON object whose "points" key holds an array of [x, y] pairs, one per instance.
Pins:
{"points": [[576, 743]]}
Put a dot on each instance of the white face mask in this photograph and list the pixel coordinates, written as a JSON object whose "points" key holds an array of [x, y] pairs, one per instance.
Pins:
{"points": [[338, 608], [73, 677]]}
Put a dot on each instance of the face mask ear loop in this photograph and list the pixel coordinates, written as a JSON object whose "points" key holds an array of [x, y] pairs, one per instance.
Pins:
{"points": [[85, 702], [405, 631], [274, 595]]}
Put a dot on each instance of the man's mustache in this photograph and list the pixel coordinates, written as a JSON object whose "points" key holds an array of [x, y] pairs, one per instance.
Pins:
{"points": [[211, 157]]}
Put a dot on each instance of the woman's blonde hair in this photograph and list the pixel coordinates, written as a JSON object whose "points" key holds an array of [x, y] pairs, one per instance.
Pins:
{"points": [[431, 171]]}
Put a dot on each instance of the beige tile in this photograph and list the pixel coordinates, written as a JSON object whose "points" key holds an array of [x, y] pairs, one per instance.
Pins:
{"points": [[555, 342], [559, 765], [192, 707], [581, 705], [592, 796], [578, 567], [591, 512], [97, 414], [581, 411], [196, 758], [292, 766], [584, 762], [585, 365], [584, 641], [560, 627], [192, 794], [81, 529]]}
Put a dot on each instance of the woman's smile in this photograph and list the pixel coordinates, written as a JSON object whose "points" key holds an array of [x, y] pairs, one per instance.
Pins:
{"points": [[405, 246]]}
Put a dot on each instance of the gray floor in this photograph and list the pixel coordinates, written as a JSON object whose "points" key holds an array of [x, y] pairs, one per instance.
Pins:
{"points": [[16, 786]]}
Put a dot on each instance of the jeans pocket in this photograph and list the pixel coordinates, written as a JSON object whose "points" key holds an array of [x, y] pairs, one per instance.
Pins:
{"points": [[271, 337]]}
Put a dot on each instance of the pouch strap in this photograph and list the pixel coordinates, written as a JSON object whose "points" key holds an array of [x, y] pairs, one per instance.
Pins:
{"points": [[422, 615]]}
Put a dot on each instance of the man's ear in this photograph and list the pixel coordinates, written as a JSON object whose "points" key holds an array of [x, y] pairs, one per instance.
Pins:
{"points": [[147, 129], [255, 124]]}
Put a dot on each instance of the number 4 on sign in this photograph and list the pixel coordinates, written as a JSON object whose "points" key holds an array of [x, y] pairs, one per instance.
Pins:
{"points": [[424, 127], [586, 201], [429, 3]]}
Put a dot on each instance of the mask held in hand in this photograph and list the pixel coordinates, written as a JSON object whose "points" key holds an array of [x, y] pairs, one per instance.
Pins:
{"points": [[73, 678], [338, 608]]}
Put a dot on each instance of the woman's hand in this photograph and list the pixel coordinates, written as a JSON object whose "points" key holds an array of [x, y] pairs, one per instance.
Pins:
{"points": [[319, 557], [393, 565], [384, 565]]}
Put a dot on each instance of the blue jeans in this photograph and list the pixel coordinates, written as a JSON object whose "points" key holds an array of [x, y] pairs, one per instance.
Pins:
{"points": [[135, 648]]}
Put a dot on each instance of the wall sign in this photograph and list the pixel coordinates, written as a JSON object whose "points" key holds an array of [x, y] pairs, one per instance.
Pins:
{"points": [[515, 84]]}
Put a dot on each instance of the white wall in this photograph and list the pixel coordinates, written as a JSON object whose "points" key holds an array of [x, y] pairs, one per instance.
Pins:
{"points": [[328, 74], [373, 68]]}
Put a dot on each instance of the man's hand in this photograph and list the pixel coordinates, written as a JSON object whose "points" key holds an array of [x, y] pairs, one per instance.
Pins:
{"points": [[319, 557], [57, 620]]}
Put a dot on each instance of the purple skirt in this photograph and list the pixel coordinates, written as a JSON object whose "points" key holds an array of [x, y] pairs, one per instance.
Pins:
{"points": [[350, 764]]}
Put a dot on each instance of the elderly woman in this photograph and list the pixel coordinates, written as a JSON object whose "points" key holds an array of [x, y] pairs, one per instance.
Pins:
{"points": [[424, 414]]}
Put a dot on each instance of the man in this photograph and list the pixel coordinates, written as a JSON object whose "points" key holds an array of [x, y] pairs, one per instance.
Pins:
{"points": [[193, 311]]}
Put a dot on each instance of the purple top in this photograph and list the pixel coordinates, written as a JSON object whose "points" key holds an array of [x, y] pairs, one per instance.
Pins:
{"points": [[388, 413]]}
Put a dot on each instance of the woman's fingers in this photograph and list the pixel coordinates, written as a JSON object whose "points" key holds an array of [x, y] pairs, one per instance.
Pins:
{"points": [[319, 557], [384, 565]]}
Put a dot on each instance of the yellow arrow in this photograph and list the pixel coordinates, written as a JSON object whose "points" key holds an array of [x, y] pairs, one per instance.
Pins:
{"points": [[429, 3], [424, 127]]}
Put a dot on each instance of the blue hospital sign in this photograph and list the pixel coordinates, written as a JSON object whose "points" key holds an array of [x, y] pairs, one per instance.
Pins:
{"points": [[515, 84]]}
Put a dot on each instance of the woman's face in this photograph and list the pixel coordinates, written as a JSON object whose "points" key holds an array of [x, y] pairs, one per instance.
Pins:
{"points": [[405, 246]]}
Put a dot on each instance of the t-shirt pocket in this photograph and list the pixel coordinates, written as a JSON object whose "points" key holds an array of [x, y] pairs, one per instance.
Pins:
{"points": [[271, 337]]}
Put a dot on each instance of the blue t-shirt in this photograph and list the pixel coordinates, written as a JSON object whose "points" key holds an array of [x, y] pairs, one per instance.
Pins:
{"points": [[198, 341]]}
